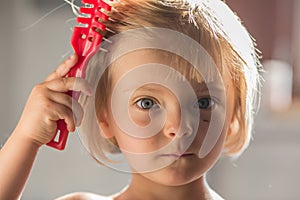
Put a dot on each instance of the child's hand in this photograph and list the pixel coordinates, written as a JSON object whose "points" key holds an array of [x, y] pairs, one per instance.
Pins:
{"points": [[48, 102]]}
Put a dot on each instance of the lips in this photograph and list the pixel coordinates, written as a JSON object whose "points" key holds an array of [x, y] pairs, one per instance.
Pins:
{"points": [[177, 155]]}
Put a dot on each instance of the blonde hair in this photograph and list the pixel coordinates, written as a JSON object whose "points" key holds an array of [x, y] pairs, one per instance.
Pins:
{"points": [[214, 26]]}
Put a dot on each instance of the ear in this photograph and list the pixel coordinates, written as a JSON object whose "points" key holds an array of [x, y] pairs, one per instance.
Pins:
{"points": [[103, 123]]}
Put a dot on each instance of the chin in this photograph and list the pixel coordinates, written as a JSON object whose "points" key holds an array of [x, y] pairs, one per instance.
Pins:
{"points": [[176, 175]]}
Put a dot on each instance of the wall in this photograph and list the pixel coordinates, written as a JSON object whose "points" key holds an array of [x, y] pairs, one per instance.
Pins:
{"points": [[5, 67]]}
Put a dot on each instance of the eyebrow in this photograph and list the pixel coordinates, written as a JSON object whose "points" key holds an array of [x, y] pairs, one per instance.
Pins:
{"points": [[147, 87], [198, 88], [204, 87]]}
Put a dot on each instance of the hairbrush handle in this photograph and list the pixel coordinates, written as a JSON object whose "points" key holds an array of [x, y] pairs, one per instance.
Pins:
{"points": [[85, 41], [62, 137], [78, 70]]}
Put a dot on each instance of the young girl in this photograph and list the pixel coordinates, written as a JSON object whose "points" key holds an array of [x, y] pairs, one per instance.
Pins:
{"points": [[176, 89]]}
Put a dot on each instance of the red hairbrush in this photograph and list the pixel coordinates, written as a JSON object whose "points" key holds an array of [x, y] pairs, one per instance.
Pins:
{"points": [[85, 41]]}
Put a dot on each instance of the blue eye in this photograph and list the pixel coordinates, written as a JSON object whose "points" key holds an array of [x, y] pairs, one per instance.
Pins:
{"points": [[205, 103], [146, 103]]}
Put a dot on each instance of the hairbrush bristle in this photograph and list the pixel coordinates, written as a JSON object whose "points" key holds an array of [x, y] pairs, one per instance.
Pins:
{"points": [[99, 3]]}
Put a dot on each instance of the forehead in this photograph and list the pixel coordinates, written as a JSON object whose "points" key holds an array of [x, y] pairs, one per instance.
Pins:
{"points": [[138, 58], [179, 68]]}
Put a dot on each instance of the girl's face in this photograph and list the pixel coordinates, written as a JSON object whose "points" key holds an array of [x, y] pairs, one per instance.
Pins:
{"points": [[160, 118]]}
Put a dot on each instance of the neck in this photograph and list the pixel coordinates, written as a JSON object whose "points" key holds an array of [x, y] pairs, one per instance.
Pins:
{"points": [[144, 188]]}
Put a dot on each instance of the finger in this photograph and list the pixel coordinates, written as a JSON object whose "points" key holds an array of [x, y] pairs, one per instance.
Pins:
{"points": [[70, 103], [70, 84], [64, 113], [63, 68]]}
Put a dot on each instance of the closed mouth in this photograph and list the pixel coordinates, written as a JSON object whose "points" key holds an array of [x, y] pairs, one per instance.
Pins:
{"points": [[177, 155]]}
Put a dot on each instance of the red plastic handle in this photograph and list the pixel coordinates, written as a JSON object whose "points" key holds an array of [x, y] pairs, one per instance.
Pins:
{"points": [[62, 137], [85, 42]]}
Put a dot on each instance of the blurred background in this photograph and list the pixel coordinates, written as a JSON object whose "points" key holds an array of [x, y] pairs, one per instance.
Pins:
{"points": [[35, 38]]}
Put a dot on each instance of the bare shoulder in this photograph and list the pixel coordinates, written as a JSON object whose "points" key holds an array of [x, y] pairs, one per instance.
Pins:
{"points": [[83, 196]]}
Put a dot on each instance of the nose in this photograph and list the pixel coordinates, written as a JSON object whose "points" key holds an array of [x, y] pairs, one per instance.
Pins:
{"points": [[176, 124]]}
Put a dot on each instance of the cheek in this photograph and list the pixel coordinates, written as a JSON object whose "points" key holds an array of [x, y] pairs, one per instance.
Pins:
{"points": [[133, 145], [139, 118], [208, 126], [129, 143], [213, 127]]}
